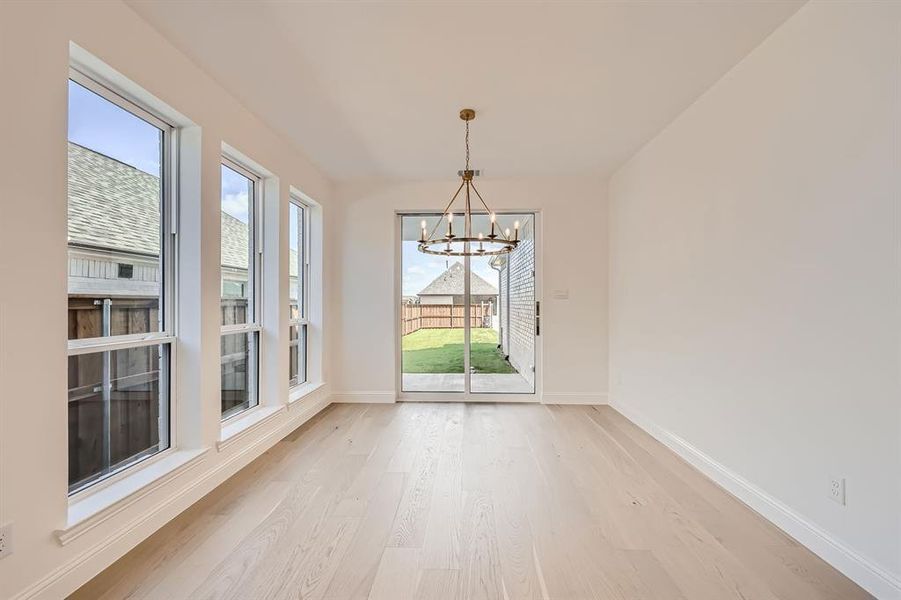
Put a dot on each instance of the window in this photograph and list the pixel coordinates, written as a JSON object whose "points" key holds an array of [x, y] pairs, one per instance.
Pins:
{"points": [[120, 272], [298, 274], [240, 268]]}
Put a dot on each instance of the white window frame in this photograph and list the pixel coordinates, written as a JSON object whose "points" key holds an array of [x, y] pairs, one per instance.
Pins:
{"points": [[303, 300], [166, 336], [253, 324]]}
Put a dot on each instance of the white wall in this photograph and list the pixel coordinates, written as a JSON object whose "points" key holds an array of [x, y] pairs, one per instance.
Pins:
{"points": [[574, 230], [755, 303], [34, 57]]}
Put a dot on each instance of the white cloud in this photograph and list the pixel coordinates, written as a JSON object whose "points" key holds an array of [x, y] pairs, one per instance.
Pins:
{"points": [[236, 206]]}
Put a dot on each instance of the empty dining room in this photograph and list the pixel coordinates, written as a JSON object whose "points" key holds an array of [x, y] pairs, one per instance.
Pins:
{"points": [[390, 300]]}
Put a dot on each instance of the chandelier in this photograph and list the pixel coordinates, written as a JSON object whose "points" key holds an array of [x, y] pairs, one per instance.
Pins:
{"points": [[449, 244]]}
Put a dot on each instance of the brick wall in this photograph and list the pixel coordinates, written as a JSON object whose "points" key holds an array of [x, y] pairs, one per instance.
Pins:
{"points": [[519, 278]]}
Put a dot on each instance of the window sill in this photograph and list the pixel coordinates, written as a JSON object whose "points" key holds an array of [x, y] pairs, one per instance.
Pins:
{"points": [[301, 391], [92, 510], [241, 426]]}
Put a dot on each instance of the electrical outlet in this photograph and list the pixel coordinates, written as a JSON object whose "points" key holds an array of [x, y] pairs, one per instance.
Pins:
{"points": [[837, 489], [6, 540]]}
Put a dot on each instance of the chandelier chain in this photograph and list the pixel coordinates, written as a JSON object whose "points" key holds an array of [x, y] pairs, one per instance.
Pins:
{"points": [[467, 145]]}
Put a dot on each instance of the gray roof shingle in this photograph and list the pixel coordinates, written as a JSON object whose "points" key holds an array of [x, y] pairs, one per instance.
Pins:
{"points": [[451, 283], [112, 205], [115, 206]]}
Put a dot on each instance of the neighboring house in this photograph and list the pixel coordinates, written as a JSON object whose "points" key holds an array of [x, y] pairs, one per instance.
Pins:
{"points": [[114, 218], [114, 245], [448, 288], [516, 301]]}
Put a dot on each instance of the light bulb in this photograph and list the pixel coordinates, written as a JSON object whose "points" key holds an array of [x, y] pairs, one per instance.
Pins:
{"points": [[422, 224], [481, 236], [493, 218], [507, 232], [450, 217]]}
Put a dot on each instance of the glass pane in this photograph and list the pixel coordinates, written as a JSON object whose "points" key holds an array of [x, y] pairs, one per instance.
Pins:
{"points": [[502, 292], [432, 317], [236, 251], [297, 351], [239, 372], [114, 219], [118, 410], [296, 261]]}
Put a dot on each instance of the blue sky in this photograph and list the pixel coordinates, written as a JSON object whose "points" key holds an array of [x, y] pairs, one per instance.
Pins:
{"points": [[292, 226], [100, 125], [235, 194]]}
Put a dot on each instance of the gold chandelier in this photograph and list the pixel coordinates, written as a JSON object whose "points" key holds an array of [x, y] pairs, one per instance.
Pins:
{"points": [[492, 244]]}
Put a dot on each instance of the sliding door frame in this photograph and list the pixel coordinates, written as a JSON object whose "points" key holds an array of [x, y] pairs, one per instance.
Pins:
{"points": [[466, 395]]}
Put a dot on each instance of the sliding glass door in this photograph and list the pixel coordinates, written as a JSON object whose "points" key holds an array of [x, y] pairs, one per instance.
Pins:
{"points": [[467, 324]]}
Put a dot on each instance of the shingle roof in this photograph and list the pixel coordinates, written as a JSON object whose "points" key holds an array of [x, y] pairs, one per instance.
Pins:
{"points": [[451, 282], [111, 204], [116, 206], [234, 242]]}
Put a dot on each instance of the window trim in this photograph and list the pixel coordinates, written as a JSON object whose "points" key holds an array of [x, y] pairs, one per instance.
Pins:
{"points": [[117, 97], [303, 300], [168, 321], [254, 322]]}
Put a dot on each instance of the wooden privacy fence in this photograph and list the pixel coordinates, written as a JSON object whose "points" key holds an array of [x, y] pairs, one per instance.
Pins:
{"points": [[132, 381], [442, 316]]}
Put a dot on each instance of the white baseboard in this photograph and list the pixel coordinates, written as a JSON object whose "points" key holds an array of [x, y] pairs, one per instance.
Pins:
{"points": [[364, 398], [391, 397], [870, 576], [573, 398], [69, 576]]}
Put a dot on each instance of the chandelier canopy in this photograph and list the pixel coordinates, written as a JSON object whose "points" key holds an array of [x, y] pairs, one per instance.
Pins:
{"points": [[480, 244]]}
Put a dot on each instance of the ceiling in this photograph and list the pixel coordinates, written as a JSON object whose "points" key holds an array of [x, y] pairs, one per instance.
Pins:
{"points": [[374, 89]]}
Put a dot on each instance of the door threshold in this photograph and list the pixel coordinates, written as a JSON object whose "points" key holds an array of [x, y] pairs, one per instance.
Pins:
{"points": [[470, 398]]}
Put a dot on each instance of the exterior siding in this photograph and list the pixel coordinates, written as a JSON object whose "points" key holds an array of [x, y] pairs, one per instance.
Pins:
{"points": [[96, 273]]}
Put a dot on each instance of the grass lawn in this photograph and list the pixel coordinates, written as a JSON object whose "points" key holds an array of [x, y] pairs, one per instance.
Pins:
{"points": [[441, 351]]}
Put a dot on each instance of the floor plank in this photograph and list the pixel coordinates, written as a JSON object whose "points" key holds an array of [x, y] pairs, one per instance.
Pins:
{"points": [[454, 502]]}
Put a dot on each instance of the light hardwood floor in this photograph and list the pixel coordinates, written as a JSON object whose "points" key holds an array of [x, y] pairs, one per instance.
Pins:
{"points": [[434, 501]]}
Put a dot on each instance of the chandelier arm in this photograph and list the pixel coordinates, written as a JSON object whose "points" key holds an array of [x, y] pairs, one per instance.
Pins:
{"points": [[475, 189], [467, 217], [446, 208], [506, 248]]}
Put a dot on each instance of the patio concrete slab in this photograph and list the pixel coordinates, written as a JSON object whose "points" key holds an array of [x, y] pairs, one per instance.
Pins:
{"points": [[489, 383]]}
